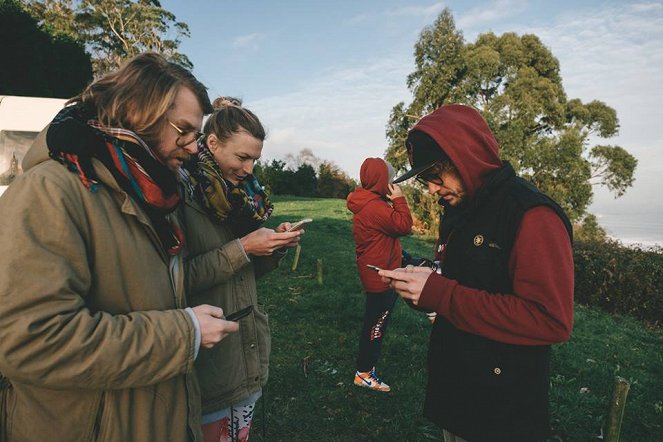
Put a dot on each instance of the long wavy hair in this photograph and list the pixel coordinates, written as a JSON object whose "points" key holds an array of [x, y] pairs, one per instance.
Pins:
{"points": [[138, 95]]}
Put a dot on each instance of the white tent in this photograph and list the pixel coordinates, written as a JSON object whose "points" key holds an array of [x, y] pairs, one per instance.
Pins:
{"points": [[21, 119]]}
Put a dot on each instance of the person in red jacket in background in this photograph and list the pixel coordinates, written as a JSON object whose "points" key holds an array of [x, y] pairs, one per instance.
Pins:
{"points": [[380, 217], [505, 289]]}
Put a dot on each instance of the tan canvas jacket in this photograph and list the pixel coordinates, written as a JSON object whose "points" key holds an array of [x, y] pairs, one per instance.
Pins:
{"points": [[94, 342], [220, 273]]}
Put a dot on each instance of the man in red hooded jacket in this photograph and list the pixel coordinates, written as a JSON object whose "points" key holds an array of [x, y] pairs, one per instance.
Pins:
{"points": [[505, 289], [380, 216]]}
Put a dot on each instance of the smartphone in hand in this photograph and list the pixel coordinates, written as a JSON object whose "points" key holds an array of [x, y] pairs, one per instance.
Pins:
{"points": [[239, 314], [377, 269], [299, 224]]}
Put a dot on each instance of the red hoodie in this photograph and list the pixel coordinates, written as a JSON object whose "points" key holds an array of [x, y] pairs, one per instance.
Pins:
{"points": [[376, 225], [540, 309]]}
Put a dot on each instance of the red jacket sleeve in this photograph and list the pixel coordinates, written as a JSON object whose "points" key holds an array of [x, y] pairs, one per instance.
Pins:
{"points": [[540, 309], [394, 222]]}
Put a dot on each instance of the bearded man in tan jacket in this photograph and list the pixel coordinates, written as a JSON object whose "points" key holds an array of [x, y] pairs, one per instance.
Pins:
{"points": [[96, 342]]}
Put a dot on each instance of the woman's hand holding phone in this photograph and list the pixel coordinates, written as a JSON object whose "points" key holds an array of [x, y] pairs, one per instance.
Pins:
{"points": [[293, 227], [298, 225], [264, 241]]}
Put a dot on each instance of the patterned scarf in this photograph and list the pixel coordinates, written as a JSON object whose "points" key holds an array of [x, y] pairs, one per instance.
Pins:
{"points": [[245, 207], [75, 137]]}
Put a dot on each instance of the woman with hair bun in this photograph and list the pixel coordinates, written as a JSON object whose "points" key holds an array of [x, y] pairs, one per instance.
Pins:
{"points": [[227, 249]]}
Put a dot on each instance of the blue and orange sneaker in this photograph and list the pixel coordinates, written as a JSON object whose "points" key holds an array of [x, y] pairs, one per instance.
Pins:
{"points": [[369, 379]]}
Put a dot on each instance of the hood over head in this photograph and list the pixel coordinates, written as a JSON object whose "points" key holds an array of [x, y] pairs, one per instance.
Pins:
{"points": [[375, 175], [461, 133]]}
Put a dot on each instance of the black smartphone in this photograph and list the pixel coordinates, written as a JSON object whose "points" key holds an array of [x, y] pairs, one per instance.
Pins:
{"points": [[374, 268], [239, 314]]}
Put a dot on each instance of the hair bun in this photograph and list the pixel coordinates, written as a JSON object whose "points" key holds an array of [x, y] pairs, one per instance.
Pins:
{"points": [[225, 102]]}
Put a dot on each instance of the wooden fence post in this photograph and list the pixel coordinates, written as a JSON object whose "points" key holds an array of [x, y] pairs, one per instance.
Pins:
{"points": [[319, 273], [613, 424], [295, 261]]}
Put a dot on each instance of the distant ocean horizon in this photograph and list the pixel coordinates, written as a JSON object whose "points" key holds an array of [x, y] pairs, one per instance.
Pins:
{"points": [[644, 228], [631, 228]]}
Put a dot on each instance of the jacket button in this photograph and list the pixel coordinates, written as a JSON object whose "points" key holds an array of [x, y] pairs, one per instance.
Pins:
{"points": [[252, 346], [497, 371]]}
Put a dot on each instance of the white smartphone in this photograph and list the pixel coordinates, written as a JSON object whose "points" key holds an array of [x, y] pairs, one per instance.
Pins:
{"points": [[299, 224]]}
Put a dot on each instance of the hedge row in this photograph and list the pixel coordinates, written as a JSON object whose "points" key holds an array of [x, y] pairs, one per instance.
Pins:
{"points": [[620, 279]]}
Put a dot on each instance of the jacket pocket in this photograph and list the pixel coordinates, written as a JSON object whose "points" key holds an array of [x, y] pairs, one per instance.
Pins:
{"points": [[264, 339]]}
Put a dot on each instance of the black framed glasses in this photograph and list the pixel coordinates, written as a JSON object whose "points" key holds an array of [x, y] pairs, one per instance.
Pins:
{"points": [[185, 137], [430, 175]]}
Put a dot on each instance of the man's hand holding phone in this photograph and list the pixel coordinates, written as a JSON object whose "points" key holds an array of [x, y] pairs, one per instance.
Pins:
{"points": [[408, 282], [213, 326], [239, 314]]}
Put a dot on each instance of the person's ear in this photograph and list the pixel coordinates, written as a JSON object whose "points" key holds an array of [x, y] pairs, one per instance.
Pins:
{"points": [[212, 142]]}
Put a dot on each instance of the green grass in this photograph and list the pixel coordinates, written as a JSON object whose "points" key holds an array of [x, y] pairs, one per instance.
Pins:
{"points": [[310, 396]]}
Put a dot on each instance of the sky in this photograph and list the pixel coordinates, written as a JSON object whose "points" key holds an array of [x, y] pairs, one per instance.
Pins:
{"points": [[324, 75]]}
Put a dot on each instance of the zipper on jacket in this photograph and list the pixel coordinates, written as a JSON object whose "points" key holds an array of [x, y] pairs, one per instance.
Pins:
{"points": [[442, 249]]}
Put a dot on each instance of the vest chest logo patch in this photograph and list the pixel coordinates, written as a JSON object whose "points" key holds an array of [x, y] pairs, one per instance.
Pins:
{"points": [[478, 240]]}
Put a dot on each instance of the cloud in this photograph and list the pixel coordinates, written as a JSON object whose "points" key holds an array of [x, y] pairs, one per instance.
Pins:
{"points": [[248, 41], [340, 114], [357, 19], [615, 54], [498, 10], [406, 12], [416, 11], [647, 7]]}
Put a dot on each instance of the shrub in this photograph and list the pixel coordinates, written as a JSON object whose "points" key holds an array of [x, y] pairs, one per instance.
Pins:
{"points": [[333, 182], [620, 279], [588, 229]]}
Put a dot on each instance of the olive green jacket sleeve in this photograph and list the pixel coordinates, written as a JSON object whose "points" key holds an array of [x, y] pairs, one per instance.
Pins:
{"points": [[217, 266], [215, 255], [213, 267], [265, 264]]}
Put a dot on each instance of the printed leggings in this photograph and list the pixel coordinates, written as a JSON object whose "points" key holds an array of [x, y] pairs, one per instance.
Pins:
{"points": [[231, 424], [376, 318]]}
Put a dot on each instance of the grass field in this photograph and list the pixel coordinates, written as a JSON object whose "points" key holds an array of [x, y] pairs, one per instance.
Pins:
{"points": [[310, 395]]}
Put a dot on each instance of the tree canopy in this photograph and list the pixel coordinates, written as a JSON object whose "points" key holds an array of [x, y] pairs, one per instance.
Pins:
{"points": [[304, 174], [37, 61], [113, 30], [515, 82]]}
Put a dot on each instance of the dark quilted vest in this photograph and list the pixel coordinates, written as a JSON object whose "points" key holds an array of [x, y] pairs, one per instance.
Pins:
{"points": [[480, 389]]}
